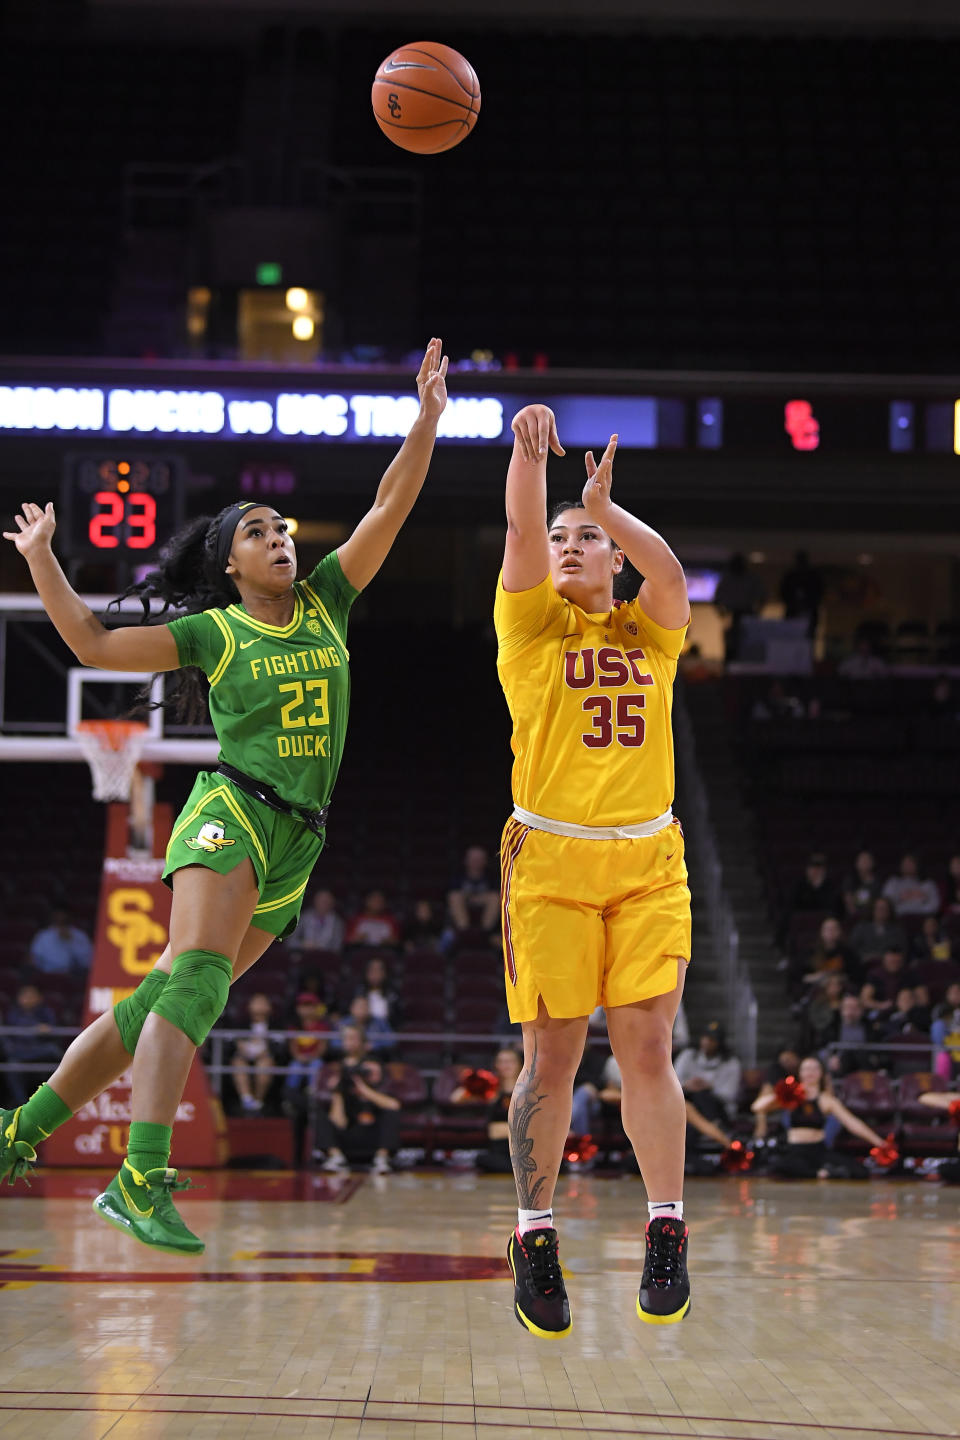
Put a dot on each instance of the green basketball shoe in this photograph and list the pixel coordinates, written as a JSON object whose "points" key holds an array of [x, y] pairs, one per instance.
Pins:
{"points": [[17, 1157], [142, 1206]]}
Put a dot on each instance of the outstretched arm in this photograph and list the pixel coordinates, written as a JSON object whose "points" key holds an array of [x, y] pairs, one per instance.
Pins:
{"points": [[526, 556], [663, 594], [137, 648], [362, 555], [849, 1121]]}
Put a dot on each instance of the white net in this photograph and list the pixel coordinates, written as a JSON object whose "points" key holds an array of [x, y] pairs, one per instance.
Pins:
{"points": [[112, 749]]}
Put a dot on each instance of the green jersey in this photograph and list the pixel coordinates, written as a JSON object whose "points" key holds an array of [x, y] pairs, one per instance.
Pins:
{"points": [[279, 694]]}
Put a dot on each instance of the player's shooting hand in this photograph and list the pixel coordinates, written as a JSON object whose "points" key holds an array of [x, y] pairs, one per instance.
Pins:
{"points": [[535, 427], [35, 528], [432, 381], [596, 492]]}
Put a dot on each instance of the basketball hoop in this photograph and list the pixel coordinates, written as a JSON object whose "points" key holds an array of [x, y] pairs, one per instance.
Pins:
{"points": [[112, 749]]}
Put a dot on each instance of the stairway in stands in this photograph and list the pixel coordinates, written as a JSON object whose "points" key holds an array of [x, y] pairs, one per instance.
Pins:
{"points": [[734, 830]]}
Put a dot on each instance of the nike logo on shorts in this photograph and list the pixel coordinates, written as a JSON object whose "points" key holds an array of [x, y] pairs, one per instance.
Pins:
{"points": [[244, 644]]}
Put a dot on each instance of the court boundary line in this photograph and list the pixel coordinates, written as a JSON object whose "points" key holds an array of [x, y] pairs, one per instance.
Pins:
{"points": [[474, 1405], [441, 1421]]}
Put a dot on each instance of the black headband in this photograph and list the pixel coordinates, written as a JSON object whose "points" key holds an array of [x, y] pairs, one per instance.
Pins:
{"points": [[228, 528]]}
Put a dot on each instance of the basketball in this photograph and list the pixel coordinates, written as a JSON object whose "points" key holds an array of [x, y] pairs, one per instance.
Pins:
{"points": [[426, 97]]}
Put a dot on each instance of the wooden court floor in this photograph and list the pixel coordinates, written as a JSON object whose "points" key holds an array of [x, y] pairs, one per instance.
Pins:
{"points": [[822, 1311]]}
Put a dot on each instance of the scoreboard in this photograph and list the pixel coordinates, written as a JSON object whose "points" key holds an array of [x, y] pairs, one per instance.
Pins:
{"points": [[122, 505]]}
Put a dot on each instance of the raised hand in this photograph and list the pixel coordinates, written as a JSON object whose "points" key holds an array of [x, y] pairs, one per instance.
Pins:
{"points": [[35, 528], [432, 381], [535, 427], [596, 492]]}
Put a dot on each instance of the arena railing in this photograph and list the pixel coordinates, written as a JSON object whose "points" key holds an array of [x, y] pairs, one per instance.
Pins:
{"points": [[706, 872]]}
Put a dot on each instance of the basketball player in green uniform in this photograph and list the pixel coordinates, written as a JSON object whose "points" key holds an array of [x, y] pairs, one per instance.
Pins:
{"points": [[273, 649]]}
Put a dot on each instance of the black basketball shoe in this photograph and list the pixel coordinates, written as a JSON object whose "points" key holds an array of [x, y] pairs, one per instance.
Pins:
{"points": [[539, 1298], [664, 1287]]}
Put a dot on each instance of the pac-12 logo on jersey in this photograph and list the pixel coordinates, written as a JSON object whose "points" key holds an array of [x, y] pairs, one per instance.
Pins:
{"points": [[210, 838]]}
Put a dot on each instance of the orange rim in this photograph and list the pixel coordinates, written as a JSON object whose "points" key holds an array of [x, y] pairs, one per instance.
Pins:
{"points": [[112, 734]]}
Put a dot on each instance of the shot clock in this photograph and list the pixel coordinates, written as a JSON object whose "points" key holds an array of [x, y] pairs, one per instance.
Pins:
{"points": [[120, 506]]}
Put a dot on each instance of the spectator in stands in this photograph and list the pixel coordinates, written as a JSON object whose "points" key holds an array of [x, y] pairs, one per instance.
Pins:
{"points": [[864, 663], [473, 901], [35, 1046], [852, 1029], [832, 955], [801, 591], [320, 927], [909, 893], [61, 948], [932, 959], [786, 1063], [777, 704], [423, 927], [381, 997], [307, 1049], [945, 1033], [888, 977], [808, 1151], [739, 592], [373, 925], [253, 1057], [363, 1118], [951, 888], [710, 1075], [822, 1016], [875, 1009], [376, 1030], [495, 1160], [909, 1019], [872, 938], [861, 887], [816, 891]]}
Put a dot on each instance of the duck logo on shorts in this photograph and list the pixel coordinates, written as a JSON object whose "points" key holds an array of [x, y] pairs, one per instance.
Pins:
{"points": [[210, 838]]}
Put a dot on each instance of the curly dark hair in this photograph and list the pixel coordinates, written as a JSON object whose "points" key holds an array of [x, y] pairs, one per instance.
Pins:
{"points": [[188, 580]]}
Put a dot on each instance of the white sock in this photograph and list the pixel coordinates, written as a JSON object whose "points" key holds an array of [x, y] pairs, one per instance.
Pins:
{"points": [[662, 1209], [534, 1220]]}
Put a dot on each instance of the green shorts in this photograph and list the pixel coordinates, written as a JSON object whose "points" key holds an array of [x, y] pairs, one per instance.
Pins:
{"points": [[220, 826]]}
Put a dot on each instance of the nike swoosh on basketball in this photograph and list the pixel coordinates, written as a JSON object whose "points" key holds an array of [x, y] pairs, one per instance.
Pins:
{"points": [[390, 65], [132, 1205], [245, 643]]}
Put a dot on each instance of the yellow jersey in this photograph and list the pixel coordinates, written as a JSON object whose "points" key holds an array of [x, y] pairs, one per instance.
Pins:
{"points": [[591, 698]]}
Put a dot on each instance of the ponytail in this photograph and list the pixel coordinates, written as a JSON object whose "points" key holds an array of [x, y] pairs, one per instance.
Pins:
{"points": [[188, 579]]}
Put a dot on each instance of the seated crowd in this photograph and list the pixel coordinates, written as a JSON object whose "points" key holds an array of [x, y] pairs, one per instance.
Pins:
{"points": [[870, 965], [873, 963]]}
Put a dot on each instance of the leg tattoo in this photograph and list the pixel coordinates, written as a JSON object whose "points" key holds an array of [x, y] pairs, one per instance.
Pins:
{"points": [[527, 1102]]}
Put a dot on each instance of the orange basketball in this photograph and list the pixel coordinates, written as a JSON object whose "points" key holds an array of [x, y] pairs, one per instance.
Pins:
{"points": [[426, 97]]}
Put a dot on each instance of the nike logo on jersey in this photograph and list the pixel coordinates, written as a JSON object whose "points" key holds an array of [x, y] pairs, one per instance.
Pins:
{"points": [[245, 644], [390, 66]]}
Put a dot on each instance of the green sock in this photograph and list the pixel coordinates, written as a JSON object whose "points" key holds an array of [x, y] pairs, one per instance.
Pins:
{"points": [[41, 1115], [149, 1146]]}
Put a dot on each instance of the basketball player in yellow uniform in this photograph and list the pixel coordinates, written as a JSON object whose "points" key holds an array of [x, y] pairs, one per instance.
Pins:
{"points": [[596, 909]]}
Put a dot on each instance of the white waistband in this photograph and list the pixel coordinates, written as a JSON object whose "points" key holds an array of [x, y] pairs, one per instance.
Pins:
{"points": [[593, 832]]}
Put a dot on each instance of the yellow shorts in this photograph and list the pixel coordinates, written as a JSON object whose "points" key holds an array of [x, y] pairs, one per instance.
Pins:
{"points": [[591, 922]]}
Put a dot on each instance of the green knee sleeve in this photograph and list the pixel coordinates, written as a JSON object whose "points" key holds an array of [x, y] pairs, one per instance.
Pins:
{"points": [[131, 1012], [196, 992]]}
